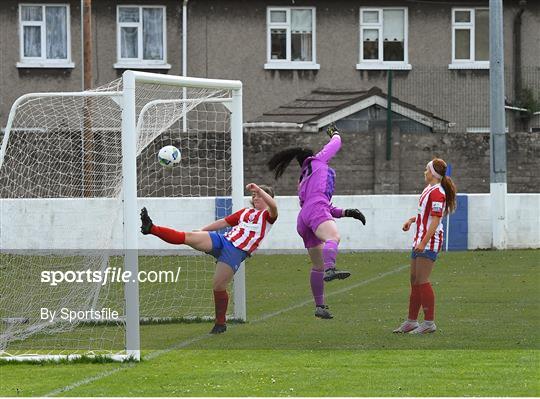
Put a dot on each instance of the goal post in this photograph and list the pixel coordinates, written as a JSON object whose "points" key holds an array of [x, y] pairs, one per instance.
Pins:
{"points": [[131, 217], [138, 113]]}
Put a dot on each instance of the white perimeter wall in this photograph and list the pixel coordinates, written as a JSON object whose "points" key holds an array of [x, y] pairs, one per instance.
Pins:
{"points": [[97, 223]]}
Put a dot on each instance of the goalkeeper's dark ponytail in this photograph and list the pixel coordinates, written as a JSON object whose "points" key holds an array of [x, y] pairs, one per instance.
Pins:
{"points": [[282, 159]]}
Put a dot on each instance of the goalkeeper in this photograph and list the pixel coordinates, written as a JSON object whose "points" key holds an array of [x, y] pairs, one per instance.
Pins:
{"points": [[315, 222], [250, 227]]}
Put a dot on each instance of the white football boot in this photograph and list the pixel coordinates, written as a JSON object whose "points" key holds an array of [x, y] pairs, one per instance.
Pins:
{"points": [[406, 326]]}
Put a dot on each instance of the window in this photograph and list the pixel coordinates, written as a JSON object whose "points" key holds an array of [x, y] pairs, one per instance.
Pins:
{"points": [[291, 38], [470, 38], [141, 37], [44, 36], [383, 38]]}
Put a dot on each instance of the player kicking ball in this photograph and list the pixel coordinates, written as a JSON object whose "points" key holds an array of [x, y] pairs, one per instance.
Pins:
{"points": [[249, 227]]}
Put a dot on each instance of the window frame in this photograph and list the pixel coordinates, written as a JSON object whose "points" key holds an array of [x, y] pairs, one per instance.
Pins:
{"points": [[471, 63], [287, 63], [380, 64], [139, 62], [43, 61]]}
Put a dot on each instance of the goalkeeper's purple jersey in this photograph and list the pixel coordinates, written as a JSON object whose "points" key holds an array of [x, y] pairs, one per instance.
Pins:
{"points": [[317, 179]]}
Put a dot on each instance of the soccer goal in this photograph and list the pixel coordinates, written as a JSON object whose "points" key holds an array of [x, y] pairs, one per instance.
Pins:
{"points": [[75, 170]]}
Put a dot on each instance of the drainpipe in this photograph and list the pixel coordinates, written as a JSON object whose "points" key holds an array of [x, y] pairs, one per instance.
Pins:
{"points": [[184, 61]]}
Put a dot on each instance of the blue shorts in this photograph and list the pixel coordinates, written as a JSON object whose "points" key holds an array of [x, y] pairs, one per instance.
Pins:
{"points": [[224, 251], [426, 254]]}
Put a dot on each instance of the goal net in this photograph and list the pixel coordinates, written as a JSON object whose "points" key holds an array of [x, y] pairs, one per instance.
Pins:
{"points": [[75, 169]]}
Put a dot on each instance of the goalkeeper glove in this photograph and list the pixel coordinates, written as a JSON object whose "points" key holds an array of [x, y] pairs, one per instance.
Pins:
{"points": [[332, 130], [356, 214]]}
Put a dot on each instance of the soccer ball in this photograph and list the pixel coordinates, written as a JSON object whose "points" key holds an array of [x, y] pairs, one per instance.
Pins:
{"points": [[169, 156]]}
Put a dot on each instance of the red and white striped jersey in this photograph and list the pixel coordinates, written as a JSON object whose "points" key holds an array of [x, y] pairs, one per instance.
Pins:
{"points": [[250, 226], [432, 203]]}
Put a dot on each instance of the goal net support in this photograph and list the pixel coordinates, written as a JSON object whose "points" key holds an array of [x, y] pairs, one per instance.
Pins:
{"points": [[75, 170]]}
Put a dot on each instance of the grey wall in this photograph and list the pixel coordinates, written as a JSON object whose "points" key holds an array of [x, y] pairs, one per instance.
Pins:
{"points": [[362, 168]]}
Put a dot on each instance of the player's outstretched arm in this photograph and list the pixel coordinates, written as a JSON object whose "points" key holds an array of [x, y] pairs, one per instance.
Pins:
{"points": [[217, 225], [267, 198], [332, 147], [355, 214]]}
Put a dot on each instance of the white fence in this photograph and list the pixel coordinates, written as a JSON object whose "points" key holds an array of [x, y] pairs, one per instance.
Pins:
{"points": [[44, 224]]}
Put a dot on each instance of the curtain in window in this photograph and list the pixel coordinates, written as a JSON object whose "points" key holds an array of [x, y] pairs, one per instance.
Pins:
{"points": [[152, 33], [31, 13], [301, 37], [370, 17], [56, 32], [278, 16], [32, 41], [393, 29], [129, 47], [393, 35], [301, 21], [128, 14], [31, 34]]}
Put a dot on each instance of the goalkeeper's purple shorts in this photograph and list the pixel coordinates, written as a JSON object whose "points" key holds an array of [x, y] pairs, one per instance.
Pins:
{"points": [[309, 218]]}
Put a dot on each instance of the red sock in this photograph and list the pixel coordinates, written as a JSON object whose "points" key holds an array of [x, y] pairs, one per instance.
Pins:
{"points": [[414, 302], [169, 235], [428, 301], [221, 300]]}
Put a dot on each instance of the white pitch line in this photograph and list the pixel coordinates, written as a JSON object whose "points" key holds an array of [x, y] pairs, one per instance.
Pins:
{"points": [[188, 342], [340, 291]]}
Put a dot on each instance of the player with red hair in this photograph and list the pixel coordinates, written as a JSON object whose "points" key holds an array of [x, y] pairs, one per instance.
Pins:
{"points": [[437, 200]]}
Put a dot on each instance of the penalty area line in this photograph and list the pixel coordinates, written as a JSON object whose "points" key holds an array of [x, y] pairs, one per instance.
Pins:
{"points": [[183, 344]]}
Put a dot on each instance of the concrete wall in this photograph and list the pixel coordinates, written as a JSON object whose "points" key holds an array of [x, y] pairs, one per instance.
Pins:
{"points": [[96, 224], [523, 211], [228, 40]]}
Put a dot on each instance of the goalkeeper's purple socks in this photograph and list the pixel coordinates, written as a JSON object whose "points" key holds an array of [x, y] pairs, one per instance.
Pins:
{"points": [[329, 253], [317, 286]]}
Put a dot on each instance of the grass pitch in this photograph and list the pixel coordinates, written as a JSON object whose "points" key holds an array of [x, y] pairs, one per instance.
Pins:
{"points": [[488, 314]]}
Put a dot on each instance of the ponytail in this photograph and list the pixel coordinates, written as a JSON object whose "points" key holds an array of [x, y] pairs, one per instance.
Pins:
{"points": [[450, 189], [279, 162], [447, 184]]}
